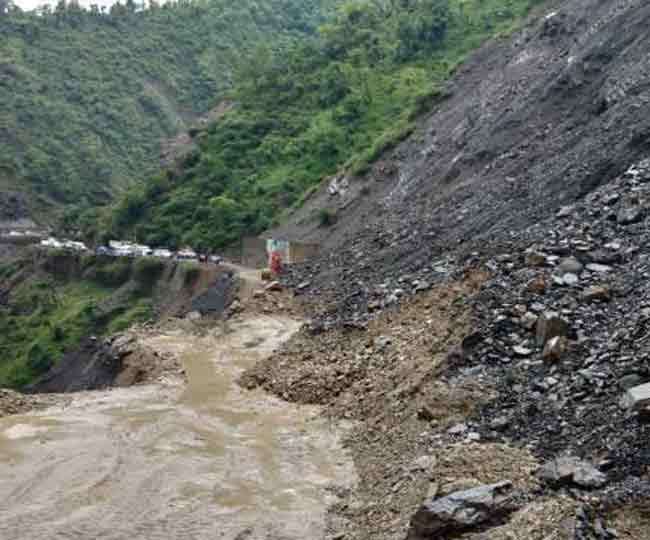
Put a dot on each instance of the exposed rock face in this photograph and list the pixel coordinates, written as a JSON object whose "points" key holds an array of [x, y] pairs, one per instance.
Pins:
{"points": [[461, 511], [14, 211], [525, 131], [216, 299]]}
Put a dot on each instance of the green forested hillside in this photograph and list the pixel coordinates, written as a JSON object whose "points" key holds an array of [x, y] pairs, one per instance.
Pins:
{"points": [[305, 112], [85, 97]]}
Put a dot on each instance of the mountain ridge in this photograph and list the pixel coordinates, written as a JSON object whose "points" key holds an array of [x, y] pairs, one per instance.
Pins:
{"points": [[97, 92]]}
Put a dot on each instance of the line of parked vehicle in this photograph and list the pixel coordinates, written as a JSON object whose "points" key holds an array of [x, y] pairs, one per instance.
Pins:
{"points": [[117, 248]]}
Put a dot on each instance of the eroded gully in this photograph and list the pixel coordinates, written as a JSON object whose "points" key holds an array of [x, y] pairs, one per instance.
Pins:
{"points": [[203, 460]]}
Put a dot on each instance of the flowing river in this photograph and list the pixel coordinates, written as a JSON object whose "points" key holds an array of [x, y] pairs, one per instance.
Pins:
{"points": [[205, 460]]}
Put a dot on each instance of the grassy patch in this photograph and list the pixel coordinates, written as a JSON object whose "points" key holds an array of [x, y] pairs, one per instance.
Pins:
{"points": [[141, 312], [42, 323]]}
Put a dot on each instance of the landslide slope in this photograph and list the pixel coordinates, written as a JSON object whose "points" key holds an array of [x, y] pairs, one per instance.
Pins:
{"points": [[530, 124], [521, 202]]}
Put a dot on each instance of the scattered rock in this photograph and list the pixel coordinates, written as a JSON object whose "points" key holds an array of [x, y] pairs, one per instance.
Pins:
{"points": [[637, 397], [537, 285], [462, 511], [500, 423], [535, 259], [629, 215], [599, 268], [570, 279], [550, 325], [424, 464], [603, 256], [554, 348], [565, 211], [630, 381], [522, 351], [274, 286], [382, 342], [597, 292], [426, 414], [570, 265], [566, 470], [529, 320], [458, 429]]}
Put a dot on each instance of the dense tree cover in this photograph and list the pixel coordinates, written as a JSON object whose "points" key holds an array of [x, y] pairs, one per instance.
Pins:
{"points": [[86, 95], [305, 112]]}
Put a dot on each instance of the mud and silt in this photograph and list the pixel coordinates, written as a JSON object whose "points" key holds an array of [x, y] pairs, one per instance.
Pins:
{"points": [[205, 459]]}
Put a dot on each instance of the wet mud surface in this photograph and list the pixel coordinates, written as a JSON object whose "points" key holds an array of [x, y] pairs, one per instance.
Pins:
{"points": [[205, 459]]}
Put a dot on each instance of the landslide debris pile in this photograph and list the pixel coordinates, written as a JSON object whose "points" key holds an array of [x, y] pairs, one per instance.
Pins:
{"points": [[536, 174]]}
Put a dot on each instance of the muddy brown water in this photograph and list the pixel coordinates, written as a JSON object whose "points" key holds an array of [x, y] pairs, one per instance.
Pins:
{"points": [[170, 461]]}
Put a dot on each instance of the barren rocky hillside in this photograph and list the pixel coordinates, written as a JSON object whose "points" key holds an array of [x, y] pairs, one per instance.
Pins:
{"points": [[529, 124]]}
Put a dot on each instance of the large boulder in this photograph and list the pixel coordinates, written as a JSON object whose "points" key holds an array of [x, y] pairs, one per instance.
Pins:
{"points": [[630, 215], [462, 511]]}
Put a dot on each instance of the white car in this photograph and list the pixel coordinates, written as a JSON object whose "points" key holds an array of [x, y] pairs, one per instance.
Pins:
{"points": [[162, 253]]}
